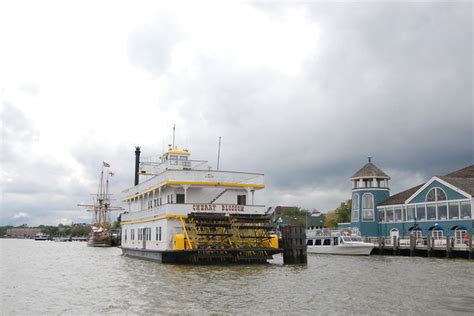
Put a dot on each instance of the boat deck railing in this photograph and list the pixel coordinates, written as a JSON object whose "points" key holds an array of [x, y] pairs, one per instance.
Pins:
{"points": [[186, 208]]}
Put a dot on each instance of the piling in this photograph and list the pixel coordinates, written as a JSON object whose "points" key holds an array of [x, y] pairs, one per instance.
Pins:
{"points": [[449, 247], [395, 245], [294, 244], [429, 246], [471, 254], [412, 245], [381, 245]]}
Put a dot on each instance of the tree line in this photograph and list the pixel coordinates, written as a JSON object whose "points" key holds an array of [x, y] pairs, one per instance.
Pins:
{"points": [[299, 216]]}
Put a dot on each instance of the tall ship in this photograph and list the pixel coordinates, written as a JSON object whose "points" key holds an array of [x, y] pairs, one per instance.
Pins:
{"points": [[186, 212], [102, 234]]}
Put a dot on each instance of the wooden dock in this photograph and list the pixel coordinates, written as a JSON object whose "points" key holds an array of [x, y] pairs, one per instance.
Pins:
{"points": [[426, 247]]}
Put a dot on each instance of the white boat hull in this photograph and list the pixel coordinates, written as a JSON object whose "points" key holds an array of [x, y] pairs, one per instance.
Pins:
{"points": [[352, 249]]}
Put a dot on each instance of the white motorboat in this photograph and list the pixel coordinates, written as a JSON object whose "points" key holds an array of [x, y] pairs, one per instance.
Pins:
{"points": [[338, 244]]}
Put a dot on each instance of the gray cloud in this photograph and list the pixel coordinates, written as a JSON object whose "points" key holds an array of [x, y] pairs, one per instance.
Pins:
{"points": [[152, 44], [391, 80]]}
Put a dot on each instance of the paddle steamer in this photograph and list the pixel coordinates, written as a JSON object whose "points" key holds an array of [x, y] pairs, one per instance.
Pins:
{"points": [[186, 212]]}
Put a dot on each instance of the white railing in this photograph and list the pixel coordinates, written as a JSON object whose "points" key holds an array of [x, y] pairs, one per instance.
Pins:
{"points": [[184, 209], [152, 167], [197, 176], [420, 242]]}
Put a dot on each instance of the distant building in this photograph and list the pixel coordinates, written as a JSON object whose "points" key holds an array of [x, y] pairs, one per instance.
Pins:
{"points": [[315, 220], [440, 207], [22, 232]]}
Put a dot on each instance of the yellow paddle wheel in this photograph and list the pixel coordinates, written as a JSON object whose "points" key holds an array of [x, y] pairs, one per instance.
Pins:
{"points": [[233, 238]]}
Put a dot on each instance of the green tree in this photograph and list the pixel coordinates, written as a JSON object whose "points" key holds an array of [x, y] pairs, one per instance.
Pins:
{"points": [[331, 219], [117, 224], [294, 216], [342, 214], [3, 230]]}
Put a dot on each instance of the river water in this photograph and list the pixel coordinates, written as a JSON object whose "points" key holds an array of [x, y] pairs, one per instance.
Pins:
{"points": [[69, 278]]}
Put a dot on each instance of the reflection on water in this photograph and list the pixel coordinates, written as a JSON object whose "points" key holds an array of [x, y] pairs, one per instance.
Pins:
{"points": [[71, 278]]}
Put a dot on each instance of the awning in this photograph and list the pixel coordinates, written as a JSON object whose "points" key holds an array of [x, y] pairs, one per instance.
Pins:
{"points": [[435, 227], [414, 228], [458, 227]]}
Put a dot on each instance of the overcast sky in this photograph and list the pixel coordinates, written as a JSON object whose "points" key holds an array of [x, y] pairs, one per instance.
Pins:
{"points": [[302, 92]]}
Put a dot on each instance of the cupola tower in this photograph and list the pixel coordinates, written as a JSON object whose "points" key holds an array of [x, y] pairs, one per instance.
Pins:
{"points": [[369, 188]]}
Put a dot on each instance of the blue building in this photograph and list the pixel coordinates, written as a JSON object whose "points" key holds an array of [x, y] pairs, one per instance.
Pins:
{"points": [[440, 207]]}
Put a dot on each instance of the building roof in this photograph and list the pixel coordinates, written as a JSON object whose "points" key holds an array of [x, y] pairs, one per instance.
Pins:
{"points": [[467, 172], [401, 197], [370, 171], [465, 184], [462, 179]]}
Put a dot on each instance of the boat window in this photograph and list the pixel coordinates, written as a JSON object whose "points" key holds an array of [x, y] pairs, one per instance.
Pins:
{"points": [[158, 233], [346, 238], [241, 199], [356, 239], [327, 242], [336, 241], [317, 242], [173, 157], [179, 198], [309, 242], [185, 163], [183, 157]]}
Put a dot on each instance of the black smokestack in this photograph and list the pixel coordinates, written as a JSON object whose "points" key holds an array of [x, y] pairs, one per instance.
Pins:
{"points": [[137, 163]]}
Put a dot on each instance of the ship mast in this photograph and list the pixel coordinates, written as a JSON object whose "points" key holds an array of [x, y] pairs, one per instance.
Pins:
{"points": [[101, 206]]}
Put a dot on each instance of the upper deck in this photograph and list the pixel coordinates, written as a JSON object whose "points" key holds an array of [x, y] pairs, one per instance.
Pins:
{"points": [[175, 169], [201, 178]]}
